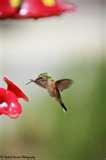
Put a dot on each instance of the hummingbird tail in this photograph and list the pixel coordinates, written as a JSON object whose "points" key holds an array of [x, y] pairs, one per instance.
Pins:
{"points": [[63, 106]]}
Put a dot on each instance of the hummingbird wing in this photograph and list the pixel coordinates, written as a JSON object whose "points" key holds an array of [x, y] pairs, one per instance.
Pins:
{"points": [[63, 84], [42, 83]]}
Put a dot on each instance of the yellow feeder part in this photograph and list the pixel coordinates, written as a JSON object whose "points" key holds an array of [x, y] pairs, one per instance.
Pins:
{"points": [[49, 3], [15, 3]]}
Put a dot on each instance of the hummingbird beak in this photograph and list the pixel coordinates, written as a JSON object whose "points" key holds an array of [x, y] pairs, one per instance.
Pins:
{"points": [[31, 80]]}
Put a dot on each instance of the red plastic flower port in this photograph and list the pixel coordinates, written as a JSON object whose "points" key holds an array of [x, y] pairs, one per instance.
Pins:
{"points": [[44, 8], [9, 104], [7, 9], [33, 8]]}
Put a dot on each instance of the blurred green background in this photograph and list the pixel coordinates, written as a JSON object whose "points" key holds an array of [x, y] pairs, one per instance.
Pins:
{"points": [[69, 46], [46, 131]]}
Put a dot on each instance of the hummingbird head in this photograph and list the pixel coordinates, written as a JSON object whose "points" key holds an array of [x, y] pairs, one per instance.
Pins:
{"points": [[44, 76]]}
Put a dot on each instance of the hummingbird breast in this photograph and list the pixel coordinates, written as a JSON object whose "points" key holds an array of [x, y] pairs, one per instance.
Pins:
{"points": [[52, 89]]}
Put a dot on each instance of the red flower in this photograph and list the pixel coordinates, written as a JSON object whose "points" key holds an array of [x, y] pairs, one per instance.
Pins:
{"points": [[9, 104]]}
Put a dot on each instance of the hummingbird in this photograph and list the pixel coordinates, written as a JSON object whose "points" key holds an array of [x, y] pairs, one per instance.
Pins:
{"points": [[53, 87]]}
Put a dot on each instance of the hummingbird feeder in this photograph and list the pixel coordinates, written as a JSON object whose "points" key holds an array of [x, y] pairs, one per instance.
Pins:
{"points": [[33, 8]]}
